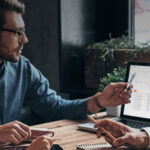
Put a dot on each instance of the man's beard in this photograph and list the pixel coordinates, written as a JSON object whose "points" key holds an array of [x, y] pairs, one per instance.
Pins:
{"points": [[8, 58]]}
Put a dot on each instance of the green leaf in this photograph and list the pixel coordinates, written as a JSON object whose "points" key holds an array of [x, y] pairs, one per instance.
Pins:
{"points": [[117, 75]]}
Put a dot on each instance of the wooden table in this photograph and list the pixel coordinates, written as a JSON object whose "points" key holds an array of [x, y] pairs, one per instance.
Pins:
{"points": [[68, 134]]}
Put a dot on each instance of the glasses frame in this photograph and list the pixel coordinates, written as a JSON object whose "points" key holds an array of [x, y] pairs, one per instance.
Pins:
{"points": [[19, 32]]}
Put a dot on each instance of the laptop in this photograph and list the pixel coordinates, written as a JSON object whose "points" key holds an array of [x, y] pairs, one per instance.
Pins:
{"points": [[137, 113]]}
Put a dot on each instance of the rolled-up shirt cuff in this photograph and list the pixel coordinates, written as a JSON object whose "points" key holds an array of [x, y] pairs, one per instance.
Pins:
{"points": [[147, 130]]}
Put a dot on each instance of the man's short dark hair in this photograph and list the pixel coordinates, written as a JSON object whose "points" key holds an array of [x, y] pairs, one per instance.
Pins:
{"points": [[12, 5]]}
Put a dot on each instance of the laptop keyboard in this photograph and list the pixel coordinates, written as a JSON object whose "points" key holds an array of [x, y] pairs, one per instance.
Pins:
{"points": [[135, 124]]}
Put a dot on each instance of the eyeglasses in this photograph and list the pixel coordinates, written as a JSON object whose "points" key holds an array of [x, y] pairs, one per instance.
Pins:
{"points": [[19, 31]]}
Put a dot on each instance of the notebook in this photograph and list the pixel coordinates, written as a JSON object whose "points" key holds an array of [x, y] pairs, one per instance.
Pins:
{"points": [[137, 113], [103, 146], [14, 148], [23, 146], [93, 146]]}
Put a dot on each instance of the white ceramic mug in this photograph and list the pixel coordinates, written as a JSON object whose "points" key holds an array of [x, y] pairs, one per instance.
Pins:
{"points": [[114, 111]]}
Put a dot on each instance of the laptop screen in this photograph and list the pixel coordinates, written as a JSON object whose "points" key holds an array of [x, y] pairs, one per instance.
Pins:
{"points": [[140, 98]]}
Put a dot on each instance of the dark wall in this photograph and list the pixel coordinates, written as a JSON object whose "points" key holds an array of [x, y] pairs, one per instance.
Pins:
{"points": [[84, 22], [119, 17], [77, 30], [42, 29], [59, 30]]}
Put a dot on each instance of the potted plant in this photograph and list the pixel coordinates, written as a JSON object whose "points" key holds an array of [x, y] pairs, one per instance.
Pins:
{"points": [[102, 57], [117, 75]]}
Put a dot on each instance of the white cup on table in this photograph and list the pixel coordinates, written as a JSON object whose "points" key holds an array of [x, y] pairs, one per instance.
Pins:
{"points": [[114, 111]]}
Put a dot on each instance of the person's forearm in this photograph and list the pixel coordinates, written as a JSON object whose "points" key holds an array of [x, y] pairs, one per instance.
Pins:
{"points": [[93, 104]]}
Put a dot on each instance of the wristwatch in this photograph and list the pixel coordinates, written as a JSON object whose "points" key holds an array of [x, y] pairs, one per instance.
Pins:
{"points": [[147, 130]]}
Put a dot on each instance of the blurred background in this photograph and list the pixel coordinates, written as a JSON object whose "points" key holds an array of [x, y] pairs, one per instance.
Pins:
{"points": [[59, 32]]}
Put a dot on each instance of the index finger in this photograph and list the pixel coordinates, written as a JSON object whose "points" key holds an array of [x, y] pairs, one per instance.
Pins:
{"points": [[25, 127], [108, 124], [119, 85], [103, 123], [50, 140]]}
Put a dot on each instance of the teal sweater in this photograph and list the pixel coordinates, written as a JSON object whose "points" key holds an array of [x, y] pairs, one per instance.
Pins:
{"points": [[21, 82]]}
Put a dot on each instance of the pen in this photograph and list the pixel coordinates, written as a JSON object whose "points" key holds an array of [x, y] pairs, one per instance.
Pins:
{"points": [[105, 131], [129, 83]]}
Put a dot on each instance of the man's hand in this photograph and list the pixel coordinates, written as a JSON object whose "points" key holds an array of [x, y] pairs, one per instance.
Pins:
{"points": [[41, 143], [14, 132], [114, 95], [111, 96], [124, 134]]}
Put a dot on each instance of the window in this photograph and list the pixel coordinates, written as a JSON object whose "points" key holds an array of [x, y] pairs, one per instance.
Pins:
{"points": [[139, 20]]}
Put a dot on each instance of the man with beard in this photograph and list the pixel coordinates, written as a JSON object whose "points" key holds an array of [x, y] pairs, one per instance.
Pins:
{"points": [[21, 82]]}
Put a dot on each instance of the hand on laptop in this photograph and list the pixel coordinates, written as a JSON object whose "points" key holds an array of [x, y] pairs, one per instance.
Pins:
{"points": [[124, 134], [14, 132]]}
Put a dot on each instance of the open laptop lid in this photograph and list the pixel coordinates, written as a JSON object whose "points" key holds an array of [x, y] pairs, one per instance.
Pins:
{"points": [[139, 108]]}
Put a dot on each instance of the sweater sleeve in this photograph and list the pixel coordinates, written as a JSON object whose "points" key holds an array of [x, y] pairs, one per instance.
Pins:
{"points": [[47, 104]]}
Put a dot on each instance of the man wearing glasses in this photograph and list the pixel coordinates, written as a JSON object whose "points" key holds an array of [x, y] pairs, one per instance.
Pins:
{"points": [[21, 82]]}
